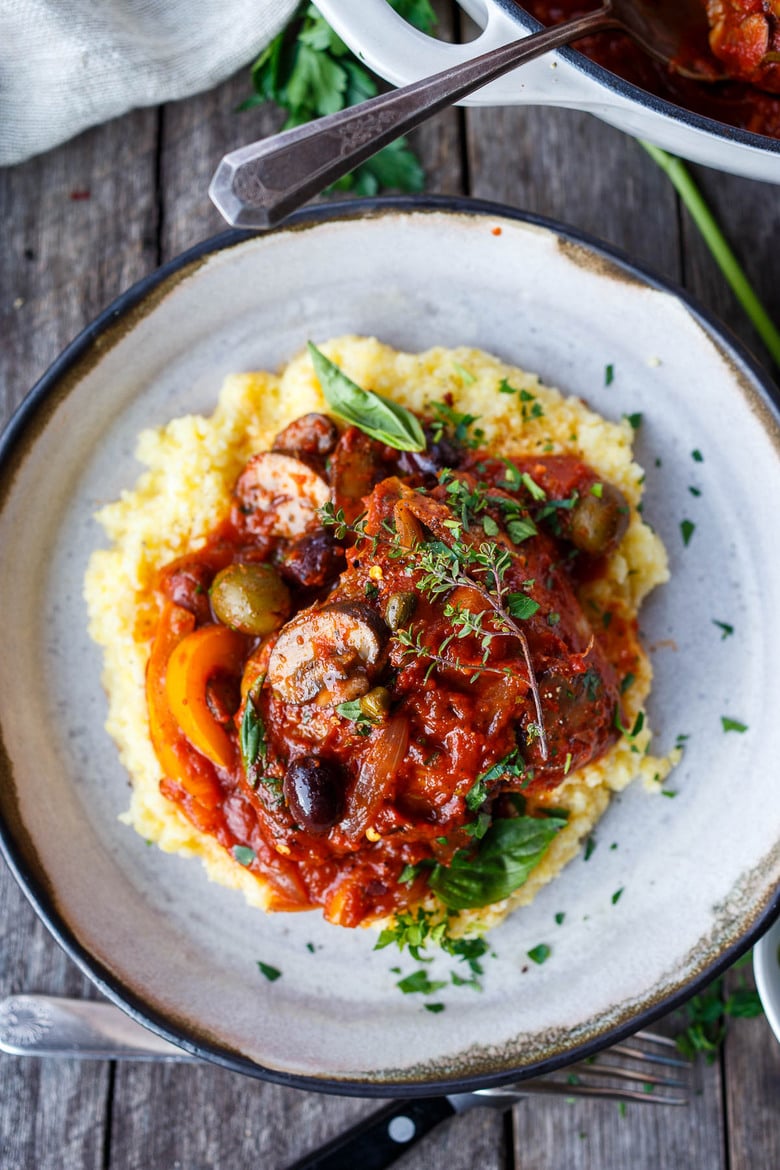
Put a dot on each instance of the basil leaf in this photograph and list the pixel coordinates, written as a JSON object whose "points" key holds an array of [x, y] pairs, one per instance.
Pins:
{"points": [[371, 413], [507, 853]]}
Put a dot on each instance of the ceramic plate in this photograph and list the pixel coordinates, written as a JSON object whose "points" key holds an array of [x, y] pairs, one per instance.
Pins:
{"points": [[699, 873]]}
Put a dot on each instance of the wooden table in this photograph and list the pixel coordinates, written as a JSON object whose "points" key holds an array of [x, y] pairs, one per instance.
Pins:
{"points": [[81, 224]]}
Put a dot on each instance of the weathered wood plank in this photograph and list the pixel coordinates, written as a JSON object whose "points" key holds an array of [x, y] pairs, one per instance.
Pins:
{"points": [[572, 167], [590, 1135], [80, 226], [752, 1059]]}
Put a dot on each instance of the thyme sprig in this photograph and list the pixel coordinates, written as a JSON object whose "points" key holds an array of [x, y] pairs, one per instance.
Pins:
{"points": [[482, 569], [463, 563]]}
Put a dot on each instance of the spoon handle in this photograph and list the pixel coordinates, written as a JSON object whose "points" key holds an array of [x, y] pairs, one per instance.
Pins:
{"points": [[45, 1025], [259, 185]]}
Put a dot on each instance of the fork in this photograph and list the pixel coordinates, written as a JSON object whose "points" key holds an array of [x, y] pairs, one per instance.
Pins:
{"points": [[648, 1070]]}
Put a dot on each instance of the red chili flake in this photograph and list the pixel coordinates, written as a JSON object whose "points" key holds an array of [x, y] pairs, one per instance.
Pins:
{"points": [[497, 231], [80, 196]]}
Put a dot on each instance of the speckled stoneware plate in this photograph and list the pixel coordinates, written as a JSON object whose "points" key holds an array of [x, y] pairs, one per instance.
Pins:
{"points": [[699, 873]]}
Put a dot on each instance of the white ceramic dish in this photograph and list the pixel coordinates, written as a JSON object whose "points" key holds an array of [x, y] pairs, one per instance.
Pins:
{"points": [[766, 967], [699, 873], [402, 54]]}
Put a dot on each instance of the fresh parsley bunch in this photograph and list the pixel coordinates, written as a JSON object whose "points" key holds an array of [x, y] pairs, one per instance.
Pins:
{"points": [[308, 71]]}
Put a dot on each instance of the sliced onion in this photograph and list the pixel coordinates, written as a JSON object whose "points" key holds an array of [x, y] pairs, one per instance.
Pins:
{"points": [[378, 770]]}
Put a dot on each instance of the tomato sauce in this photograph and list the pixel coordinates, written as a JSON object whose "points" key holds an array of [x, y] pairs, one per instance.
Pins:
{"points": [[355, 753], [735, 103]]}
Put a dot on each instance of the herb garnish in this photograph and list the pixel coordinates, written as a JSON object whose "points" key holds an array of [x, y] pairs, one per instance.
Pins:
{"points": [[687, 528], [732, 724], [373, 414], [725, 627], [500, 864], [252, 734], [540, 954], [271, 973], [705, 1017], [243, 854], [420, 982], [309, 71]]}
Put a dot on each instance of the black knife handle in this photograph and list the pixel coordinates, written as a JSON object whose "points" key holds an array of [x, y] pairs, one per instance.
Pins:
{"points": [[382, 1137]]}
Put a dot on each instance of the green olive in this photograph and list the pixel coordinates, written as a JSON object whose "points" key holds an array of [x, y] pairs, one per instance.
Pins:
{"points": [[376, 704], [250, 597], [597, 522], [399, 609]]}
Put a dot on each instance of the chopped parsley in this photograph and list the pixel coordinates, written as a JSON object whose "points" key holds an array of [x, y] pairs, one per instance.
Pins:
{"points": [[465, 375], [308, 71], [540, 954], [434, 1007], [729, 724], [243, 854], [697, 456], [634, 420], [687, 528], [419, 982], [520, 605], [617, 896], [609, 374], [271, 973], [726, 629], [559, 917]]}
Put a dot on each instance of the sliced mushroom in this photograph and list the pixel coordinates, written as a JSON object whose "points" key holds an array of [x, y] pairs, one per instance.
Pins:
{"points": [[312, 434], [278, 495], [329, 655]]}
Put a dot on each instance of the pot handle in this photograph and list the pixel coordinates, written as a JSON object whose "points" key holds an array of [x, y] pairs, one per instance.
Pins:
{"points": [[401, 53]]}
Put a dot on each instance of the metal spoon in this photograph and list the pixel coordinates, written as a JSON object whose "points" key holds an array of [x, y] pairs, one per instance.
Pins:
{"points": [[260, 184]]}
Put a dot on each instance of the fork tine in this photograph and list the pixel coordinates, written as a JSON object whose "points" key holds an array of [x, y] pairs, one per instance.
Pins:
{"points": [[614, 1079], [623, 1074], [654, 1038], [631, 1048], [650, 1057], [551, 1088]]}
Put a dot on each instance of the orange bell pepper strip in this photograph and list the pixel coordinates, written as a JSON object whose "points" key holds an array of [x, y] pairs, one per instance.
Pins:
{"points": [[178, 761], [192, 663]]}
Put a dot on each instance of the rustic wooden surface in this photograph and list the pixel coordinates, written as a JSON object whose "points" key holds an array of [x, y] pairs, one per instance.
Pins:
{"points": [[81, 224]]}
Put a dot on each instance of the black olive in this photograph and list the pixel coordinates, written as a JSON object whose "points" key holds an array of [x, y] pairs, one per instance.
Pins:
{"points": [[314, 791], [443, 452]]}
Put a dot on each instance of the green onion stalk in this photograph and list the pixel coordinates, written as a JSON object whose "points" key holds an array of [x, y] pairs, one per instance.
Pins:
{"points": [[705, 221]]}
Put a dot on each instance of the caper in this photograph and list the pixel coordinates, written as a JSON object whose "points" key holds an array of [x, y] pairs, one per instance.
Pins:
{"points": [[399, 609], [376, 704], [314, 791], [598, 522], [250, 597]]}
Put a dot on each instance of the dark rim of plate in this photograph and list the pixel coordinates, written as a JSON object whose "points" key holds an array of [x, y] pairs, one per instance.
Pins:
{"points": [[638, 96], [34, 883]]}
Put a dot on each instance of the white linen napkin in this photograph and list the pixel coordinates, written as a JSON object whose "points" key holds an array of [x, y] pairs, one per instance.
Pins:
{"points": [[69, 64]]}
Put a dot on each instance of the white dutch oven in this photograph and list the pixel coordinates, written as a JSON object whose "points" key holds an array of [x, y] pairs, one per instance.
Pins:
{"points": [[402, 54]]}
